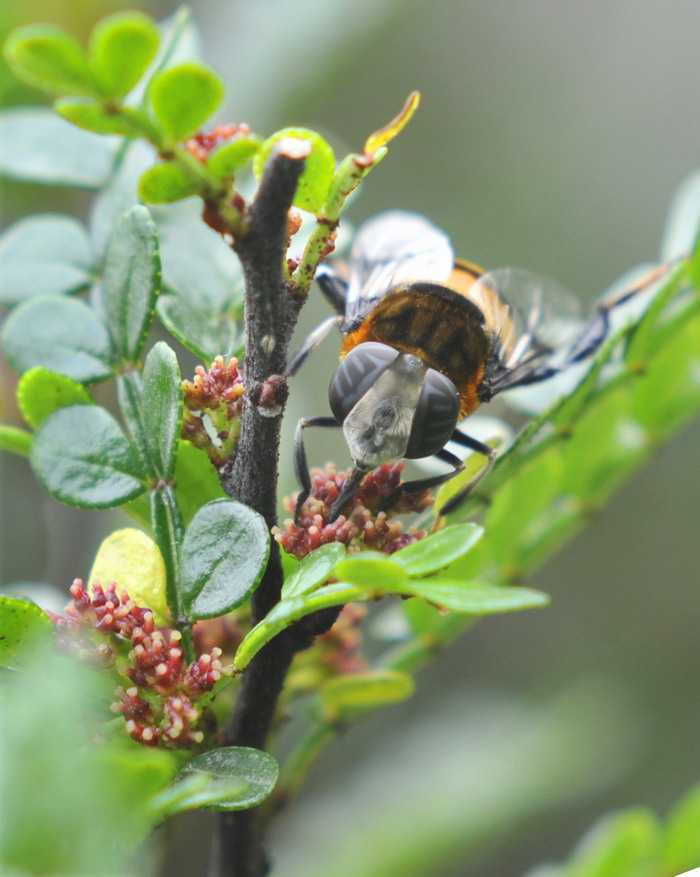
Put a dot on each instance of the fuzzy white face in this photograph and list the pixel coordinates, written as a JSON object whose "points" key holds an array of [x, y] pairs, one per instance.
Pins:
{"points": [[378, 428]]}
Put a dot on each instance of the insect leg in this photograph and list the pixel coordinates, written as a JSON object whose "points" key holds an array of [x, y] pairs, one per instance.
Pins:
{"points": [[426, 483], [346, 494], [311, 342], [490, 453], [333, 287], [301, 466]]}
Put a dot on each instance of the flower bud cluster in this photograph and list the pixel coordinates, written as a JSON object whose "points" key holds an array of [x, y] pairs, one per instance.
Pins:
{"points": [[364, 524], [213, 403], [161, 688]]}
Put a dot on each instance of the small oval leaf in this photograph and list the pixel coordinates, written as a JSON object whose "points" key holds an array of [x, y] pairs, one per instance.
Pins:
{"points": [[165, 183], [257, 769], [121, 48], [162, 407], [132, 559], [319, 168], [81, 456], [439, 549], [347, 697], [313, 570], [91, 116], [372, 570], [132, 281], [225, 162], [224, 555], [184, 97], [21, 622], [61, 334], [51, 59], [40, 392], [474, 598]]}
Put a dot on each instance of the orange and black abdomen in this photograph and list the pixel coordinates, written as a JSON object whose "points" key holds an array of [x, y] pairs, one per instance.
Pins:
{"points": [[442, 327]]}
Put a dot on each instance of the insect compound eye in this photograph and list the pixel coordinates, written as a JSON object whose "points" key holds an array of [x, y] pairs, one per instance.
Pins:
{"points": [[355, 374], [436, 416]]}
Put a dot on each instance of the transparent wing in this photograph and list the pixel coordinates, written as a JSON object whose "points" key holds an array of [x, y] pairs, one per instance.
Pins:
{"points": [[392, 248], [530, 319]]}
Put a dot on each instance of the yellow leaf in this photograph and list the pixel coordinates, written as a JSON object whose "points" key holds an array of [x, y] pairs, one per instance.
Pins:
{"points": [[133, 560]]}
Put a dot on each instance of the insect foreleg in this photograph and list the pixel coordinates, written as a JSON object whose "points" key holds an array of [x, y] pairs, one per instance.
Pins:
{"points": [[301, 466], [468, 442]]}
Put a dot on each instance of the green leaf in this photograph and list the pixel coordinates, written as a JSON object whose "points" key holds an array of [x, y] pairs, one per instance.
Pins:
{"points": [[439, 549], [51, 59], [626, 843], [81, 456], [38, 146], [16, 441], [165, 183], [313, 570], [257, 769], [125, 122], [121, 48], [225, 162], [346, 697], [196, 480], [61, 334], [286, 612], [132, 281], [21, 624], [682, 836], [169, 531], [372, 570], [319, 168], [199, 326], [224, 555], [162, 407], [198, 790], [44, 254], [184, 97], [40, 392], [474, 598]]}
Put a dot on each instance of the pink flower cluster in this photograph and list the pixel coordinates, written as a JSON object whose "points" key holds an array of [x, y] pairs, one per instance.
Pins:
{"points": [[160, 705], [364, 525], [216, 395]]}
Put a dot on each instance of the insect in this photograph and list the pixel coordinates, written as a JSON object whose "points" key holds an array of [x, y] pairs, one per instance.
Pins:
{"points": [[426, 339]]}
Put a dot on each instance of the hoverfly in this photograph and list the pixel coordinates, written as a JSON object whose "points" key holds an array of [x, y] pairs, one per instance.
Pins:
{"points": [[426, 340]]}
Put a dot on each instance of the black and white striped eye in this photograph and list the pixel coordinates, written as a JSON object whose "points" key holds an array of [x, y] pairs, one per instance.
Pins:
{"points": [[436, 416], [355, 374]]}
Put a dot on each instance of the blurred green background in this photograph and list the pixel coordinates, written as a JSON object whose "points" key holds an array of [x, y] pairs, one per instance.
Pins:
{"points": [[551, 136]]}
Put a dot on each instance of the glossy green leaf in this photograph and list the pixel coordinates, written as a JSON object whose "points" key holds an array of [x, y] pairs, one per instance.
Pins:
{"points": [[225, 162], [183, 98], [132, 281], [165, 183], [38, 146], [21, 624], [371, 569], [439, 549], [44, 254], [257, 769], [224, 555], [206, 331], [121, 48], [313, 570], [346, 697], [474, 598], [92, 116], [162, 407], [319, 168], [288, 611], [682, 835], [81, 456], [196, 791], [40, 392], [51, 59], [196, 480], [169, 531], [61, 334], [16, 441]]}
